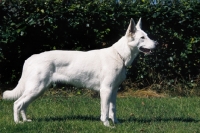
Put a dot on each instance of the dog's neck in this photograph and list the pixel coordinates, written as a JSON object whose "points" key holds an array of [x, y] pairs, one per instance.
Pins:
{"points": [[126, 53]]}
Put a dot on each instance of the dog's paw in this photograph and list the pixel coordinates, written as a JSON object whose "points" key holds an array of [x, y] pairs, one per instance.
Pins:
{"points": [[19, 122], [106, 123], [28, 120]]}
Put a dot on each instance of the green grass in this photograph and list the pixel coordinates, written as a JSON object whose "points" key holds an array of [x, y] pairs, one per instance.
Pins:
{"points": [[80, 114]]}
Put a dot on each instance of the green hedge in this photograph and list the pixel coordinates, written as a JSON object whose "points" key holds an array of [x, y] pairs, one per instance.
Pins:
{"points": [[30, 27]]}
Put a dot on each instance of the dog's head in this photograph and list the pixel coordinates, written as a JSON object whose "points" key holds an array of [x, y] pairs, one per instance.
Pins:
{"points": [[138, 38]]}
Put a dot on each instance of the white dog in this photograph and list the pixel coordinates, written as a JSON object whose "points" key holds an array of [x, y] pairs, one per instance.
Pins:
{"points": [[102, 70]]}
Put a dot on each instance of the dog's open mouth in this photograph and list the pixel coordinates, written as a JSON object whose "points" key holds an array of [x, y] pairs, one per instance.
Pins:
{"points": [[145, 50]]}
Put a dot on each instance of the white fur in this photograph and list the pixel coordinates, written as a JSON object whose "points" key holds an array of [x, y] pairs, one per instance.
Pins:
{"points": [[102, 70]]}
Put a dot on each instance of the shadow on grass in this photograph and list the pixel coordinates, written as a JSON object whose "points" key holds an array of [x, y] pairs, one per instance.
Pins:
{"points": [[64, 118], [160, 119], [131, 119]]}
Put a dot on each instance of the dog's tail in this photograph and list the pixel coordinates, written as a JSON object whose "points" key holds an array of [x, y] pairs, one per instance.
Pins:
{"points": [[15, 93]]}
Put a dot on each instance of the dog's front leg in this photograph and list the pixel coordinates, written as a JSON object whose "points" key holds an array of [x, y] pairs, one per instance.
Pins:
{"points": [[112, 109], [105, 95]]}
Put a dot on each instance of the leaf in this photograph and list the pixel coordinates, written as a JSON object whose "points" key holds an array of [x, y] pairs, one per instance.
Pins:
{"points": [[42, 10]]}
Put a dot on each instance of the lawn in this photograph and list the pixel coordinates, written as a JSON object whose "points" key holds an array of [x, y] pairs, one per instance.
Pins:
{"points": [[80, 114]]}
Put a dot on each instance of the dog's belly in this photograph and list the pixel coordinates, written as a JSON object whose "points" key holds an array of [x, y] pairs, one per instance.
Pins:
{"points": [[89, 81]]}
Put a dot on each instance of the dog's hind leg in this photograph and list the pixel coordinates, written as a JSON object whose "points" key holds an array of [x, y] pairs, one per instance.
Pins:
{"points": [[20, 107], [22, 103], [23, 113], [16, 110], [112, 109]]}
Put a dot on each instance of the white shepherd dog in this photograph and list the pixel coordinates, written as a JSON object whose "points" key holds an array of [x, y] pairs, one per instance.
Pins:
{"points": [[102, 70]]}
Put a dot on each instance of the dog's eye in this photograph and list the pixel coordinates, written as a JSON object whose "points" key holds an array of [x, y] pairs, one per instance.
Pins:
{"points": [[142, 37]]}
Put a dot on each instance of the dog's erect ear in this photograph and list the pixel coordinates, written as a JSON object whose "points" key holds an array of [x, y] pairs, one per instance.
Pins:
{"points": [[131, 28], [139, 24]]}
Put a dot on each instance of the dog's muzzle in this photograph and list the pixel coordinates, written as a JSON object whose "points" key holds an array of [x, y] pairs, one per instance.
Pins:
{"points": [[145, 50], [148, 51]]}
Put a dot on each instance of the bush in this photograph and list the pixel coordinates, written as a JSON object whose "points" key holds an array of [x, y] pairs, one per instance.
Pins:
{"points": [[177, 56], [30, 27]]}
